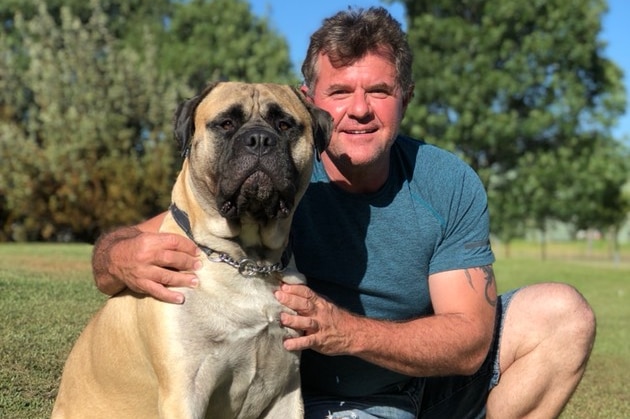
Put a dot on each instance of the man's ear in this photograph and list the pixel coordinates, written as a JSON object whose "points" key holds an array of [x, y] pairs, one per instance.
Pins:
{"points": [[407, 97], [304, 90]]}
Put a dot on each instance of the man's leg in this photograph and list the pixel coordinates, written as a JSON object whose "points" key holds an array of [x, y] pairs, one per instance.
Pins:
{"points": [[548, 334]]}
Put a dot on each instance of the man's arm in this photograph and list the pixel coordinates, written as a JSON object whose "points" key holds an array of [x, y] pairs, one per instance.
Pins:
{"points": [[145, 261], [453, 341]]}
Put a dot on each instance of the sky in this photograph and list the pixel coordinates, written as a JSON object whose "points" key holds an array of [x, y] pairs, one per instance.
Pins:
{"points": [[296, 20]]}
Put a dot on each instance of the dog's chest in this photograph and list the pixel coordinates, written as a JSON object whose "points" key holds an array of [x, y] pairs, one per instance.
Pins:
{"points": [[229, 327], [229, 309]]}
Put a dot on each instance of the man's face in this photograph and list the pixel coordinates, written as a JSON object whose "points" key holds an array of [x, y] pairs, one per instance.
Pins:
{"points": [[366, 105]]}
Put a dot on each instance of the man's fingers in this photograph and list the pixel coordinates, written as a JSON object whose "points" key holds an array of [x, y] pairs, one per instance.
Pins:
{"points": [[179, 243], [178, 252], [177, 260], [160, 292], [297, 297], [307, 324], [176, 279]]}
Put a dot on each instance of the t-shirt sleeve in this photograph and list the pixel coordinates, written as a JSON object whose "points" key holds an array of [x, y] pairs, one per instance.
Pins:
{"points": [[465, 242]]}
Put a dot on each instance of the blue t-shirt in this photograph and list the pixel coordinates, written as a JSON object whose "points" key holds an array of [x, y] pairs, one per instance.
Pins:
{"points": [[372, 253]]}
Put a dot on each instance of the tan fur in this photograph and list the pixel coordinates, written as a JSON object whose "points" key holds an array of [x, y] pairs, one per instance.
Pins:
{"points": [[220, 354]]}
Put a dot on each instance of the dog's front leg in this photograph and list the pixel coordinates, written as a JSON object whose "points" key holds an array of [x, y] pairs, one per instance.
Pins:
{"points": [[289, 405]]}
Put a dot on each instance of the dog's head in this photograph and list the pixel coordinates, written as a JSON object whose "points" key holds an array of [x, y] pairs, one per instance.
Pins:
{"points": [[249, 148]]}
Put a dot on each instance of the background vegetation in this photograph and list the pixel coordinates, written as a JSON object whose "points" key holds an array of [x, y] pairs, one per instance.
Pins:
{"points": [[521, 90], [47, 296]]}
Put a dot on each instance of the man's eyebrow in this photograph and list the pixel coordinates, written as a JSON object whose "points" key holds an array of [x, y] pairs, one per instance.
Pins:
{"points": [[377, 86], [337, 86], [381, 86]]}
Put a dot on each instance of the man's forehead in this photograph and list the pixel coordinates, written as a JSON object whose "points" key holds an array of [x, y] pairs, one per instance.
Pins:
{"points": [[372, 71]]}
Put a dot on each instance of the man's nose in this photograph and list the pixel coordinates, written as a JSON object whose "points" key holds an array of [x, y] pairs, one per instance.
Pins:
{"points": [[360, 106]]}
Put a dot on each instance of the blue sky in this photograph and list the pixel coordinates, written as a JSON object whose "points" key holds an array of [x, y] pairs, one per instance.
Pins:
{"points": [[296, 20]]}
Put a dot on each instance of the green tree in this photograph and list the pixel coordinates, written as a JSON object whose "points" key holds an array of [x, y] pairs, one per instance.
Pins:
{"points": [[508, 207], [93, 149], [222, 39], [580, 185], [598, 197], [498, 78], [521, 90], [87, 92], [126, 18]]}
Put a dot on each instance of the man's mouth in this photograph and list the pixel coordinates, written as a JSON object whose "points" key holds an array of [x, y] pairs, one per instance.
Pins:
{"points": [[359, 131]]}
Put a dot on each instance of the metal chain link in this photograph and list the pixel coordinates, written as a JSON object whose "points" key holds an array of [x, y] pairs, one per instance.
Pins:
{"points": [[245, 266]]}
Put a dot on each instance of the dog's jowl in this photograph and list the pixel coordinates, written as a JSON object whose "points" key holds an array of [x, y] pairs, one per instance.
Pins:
{"points": [[248, 153]]}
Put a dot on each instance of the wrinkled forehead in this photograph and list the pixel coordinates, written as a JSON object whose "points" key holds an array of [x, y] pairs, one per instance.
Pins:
{"points": [[248, 100]]}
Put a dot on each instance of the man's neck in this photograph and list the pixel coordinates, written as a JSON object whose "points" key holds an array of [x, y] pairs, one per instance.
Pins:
{"points": [[356, 179]]}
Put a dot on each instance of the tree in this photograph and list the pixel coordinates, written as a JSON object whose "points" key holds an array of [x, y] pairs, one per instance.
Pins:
{"points": [[580, 185], [498, 78], [94, 148], [599, 199], [508, 207], [523, 92], [87, 93], [126, 19], [222, 39]]}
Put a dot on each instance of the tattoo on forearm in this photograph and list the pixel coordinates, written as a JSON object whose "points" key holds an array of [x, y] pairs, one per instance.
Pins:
{"points": [[490, 287]]}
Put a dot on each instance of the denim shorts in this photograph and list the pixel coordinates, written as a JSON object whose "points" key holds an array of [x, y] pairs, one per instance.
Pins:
{"points": [[456, 397]]}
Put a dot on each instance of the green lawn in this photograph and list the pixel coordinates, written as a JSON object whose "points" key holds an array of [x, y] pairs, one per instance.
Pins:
{"points": [[47, 296]]}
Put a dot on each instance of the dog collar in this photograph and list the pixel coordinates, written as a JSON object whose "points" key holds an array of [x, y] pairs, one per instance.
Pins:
{"points": [[245, 266]]}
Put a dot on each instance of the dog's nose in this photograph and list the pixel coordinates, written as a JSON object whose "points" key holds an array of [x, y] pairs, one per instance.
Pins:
{"points": [[260, 141]]}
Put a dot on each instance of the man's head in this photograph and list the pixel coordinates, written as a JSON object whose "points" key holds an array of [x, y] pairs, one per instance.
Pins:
{"points": [[358, 69], [350, 35]]}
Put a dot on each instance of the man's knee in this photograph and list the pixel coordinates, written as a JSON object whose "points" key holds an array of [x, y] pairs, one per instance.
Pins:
{"points": [[573, 311], [550, 312], [567, 314]]}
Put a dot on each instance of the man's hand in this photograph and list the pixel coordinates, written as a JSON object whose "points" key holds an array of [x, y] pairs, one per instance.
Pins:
{"points": [[145, 262], [453, 341], [323, 323]]}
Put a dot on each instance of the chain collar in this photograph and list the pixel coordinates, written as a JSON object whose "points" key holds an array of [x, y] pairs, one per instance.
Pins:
{"points": [[245, 266]]}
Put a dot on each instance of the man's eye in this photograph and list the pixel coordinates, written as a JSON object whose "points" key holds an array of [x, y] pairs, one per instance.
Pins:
{"points": [[381, 94]]}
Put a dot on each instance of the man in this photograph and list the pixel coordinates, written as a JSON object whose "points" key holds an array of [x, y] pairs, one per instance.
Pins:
{"points": [[400, 316]]}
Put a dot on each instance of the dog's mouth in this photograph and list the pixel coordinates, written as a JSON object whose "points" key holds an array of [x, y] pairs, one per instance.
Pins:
{"points": [[258, 195]]}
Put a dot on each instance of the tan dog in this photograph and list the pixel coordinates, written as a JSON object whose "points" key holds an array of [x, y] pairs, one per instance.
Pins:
{"points": [[249, 152]]}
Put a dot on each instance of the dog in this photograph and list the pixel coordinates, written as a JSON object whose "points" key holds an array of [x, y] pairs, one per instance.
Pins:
{"points": [[248, 154]]}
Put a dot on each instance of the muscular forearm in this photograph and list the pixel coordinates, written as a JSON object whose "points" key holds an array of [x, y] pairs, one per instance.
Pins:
{"points": [[454, 340], [105, 281], [448, 344]]}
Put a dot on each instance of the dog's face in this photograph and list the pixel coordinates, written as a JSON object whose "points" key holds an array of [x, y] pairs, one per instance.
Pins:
{"points": [[250, 148]]}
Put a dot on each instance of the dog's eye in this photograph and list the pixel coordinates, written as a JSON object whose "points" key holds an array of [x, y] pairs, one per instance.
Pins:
{"points": [[227, 125], [283, 125]]}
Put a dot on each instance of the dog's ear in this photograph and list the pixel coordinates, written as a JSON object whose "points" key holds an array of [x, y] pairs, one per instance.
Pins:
{"points": [[322, 128], [322, 123], [184, 119]]}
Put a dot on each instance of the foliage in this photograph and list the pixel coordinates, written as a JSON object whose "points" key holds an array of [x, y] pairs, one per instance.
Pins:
{"points": [[523, 92], [127, 19], [89, 148], [221, 40], [520, 89], [87, 93]]}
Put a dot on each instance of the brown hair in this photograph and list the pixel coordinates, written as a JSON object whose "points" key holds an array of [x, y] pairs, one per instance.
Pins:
{"points": [[349, 35]]}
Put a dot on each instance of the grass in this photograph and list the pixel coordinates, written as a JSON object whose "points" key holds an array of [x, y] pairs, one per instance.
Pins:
{"points": [[47, 296]]}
